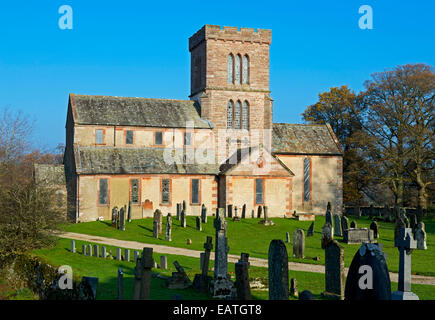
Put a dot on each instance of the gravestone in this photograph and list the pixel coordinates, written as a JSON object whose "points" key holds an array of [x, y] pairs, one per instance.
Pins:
{"points": [[129, 212], [328, 207], [183, 218], [310, 231], [115, 217], [243, 289], [353, 224], [259, 211], [168, 233], [198, 224], [178, 211], [299, 244], [155, 229], [344, 223], [127, 255], [92, 284], [203, 214], [184, 205], [138, 272], [328, 217], [84, 249], [244, 211], [253, 214], [179, 279], [201, 281], [374, 226], [334, 270], [236, 216], [419, 214], [293, 287], [222, 285], [400, 224], [278, 271], [266, 220], [103, 252], [368, 277], [147, 263], [405, 243], [337, 225], [90, 250], [73, 246], [358, 236], [230, 210], [120, 283], [357, 211], [157, 217], [122, 219], [327, 234], [306, 295], [287, 237], [413, 222], [135, 255], [118, 254], [420, 236], [96, 251], [163, 262], [201, 260]]}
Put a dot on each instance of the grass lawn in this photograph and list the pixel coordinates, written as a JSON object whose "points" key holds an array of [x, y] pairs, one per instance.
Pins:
{"points": [[254, 238], [106, 271]]}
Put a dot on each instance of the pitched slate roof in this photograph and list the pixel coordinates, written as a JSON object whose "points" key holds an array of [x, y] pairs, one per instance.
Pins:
{"points": [[110, 160], [125, 111], [304, 139]]}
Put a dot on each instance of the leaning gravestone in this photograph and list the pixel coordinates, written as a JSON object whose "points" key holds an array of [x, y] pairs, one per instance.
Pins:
{"points": [[327, 234], [299, 244], [278, 271], [168, 233], [375, 228], [344, 223], [368, 277], [337, 225], [179, 279], [310, 231], [334, 270], [243, 289]]}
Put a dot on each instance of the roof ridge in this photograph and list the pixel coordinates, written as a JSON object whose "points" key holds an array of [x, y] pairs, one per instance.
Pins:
{"points": [[124, 97]]}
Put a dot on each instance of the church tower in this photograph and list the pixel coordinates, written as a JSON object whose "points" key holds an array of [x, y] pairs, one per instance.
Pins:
{"points": [[230, 76]]}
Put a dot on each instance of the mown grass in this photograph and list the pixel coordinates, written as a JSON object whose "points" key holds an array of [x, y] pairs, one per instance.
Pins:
{"points": [[254, 238], [106, 270]]}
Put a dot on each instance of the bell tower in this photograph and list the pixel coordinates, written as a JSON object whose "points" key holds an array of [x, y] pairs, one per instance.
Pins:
{"points": [[230, 76]]}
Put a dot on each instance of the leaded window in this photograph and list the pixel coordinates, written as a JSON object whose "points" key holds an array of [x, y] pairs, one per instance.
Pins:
{"points": [[158, 138], [129, 137], [237, 70], [307, 177], [237, 115], [187, 138], [245, 70], [103, 192], [135, 191], [99, 136], [165, 191], [230, 115], [259, 199], [195, 191], [230, 68], [245, 115]]}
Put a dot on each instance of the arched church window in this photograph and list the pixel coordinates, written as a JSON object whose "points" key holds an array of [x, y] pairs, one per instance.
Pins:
{"points": [[245, 69], [237, 70], [237, 115], [230, 115], [230, 68], [245, 115]]}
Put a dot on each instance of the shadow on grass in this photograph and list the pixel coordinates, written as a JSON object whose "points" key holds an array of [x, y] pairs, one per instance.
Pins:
{"points": [[145, 228]]}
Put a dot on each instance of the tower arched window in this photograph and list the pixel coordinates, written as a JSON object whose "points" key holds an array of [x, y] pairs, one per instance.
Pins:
{"points": [[230, 108], [230, 68], [245, 69], [237, 115], [237, 66], [245, 115]]}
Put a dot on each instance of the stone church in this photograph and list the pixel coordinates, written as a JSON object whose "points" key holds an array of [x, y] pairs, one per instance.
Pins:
{"points": [[220, 147]]}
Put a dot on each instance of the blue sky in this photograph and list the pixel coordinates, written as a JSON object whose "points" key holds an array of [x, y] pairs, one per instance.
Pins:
{"points": [[140, 49]]}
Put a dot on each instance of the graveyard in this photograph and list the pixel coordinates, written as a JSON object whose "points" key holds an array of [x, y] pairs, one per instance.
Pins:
{"points": [[184, 277]]}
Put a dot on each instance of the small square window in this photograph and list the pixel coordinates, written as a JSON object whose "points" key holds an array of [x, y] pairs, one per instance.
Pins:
{"points": [[99, 135], [129, 137], [187, 138], [158, 138]]}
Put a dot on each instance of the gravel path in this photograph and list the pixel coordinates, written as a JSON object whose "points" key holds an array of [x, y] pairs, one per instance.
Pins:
{"points": [[416, 279]]}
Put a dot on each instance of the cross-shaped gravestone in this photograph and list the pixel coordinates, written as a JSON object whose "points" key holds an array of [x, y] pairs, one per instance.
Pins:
{"points": [[147, 263], [405, 243], [243, 290]]}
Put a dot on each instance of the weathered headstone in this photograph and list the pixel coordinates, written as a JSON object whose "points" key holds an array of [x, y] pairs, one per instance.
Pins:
{"points": [[293, 287], [368, 277], [287, 237], [243, 289], [327, 234], [337, 225], [198, 224], [420, 236], [334, 270], [259, 211], [375, 228], [90, 250], [244, 211], [92, 284], [178, 211], [183, 218], [230, 211], [103, 252], [115, 217], [138, 272], [358, 236], [155, 229], [129, 212], [344, 223], [127, 255], [120, 283], [353, 224], [168, 233], [147, 263], [222, 283], [328, 217], [157, 217], [122, 219], [203, 214], [299, 244], [310, 231], [278, 271], [96, 251], [135, 255], [118, 254], [253, 214], [201, 281], [163, 262], [179, 279], [73, 246], [84, 249]]}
